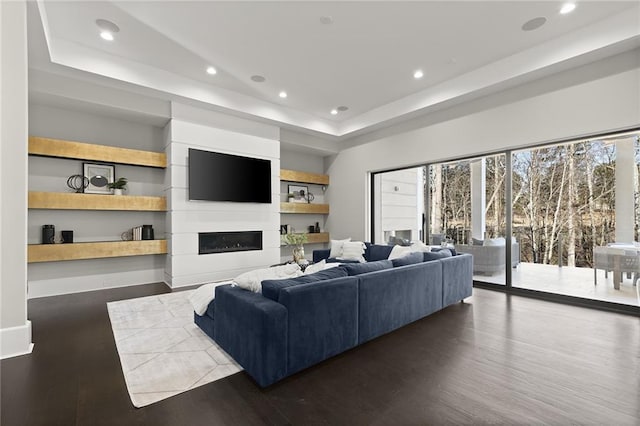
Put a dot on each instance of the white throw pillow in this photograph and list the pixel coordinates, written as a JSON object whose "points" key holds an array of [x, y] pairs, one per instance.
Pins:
{"points": [[500, 241], [353, 250], [399, 251], [336, 247], [252, 280], [419, 246], [316, 267]]}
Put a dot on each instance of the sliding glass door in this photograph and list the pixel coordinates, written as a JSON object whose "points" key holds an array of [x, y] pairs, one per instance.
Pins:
{"points": [[573, 215], [466, 209]]}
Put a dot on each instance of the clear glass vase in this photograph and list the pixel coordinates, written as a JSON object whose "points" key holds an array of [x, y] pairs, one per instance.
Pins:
{"points": [[298, 253]]}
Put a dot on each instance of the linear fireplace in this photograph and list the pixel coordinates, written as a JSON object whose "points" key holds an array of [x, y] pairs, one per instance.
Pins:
{"points": [[221, 242]]}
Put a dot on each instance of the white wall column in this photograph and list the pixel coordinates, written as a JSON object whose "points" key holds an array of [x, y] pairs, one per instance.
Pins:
{"points": [[478, 198], [15, 329], [625, 165]]}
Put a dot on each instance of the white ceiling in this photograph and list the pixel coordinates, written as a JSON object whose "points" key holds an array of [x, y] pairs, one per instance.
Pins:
{"points": [[365, 59]]}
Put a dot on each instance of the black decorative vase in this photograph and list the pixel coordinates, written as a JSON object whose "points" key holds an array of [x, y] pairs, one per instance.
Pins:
{"points": [[147, 232], [67, 237], [48, 234]]}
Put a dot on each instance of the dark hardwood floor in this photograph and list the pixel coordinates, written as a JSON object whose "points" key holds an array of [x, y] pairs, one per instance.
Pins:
{"points": [[496, 359]]}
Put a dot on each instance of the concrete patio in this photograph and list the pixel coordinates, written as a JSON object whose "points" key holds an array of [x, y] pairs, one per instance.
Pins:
{"points": [[572, 281]]}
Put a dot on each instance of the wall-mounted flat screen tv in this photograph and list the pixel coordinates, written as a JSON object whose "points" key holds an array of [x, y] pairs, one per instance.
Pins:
{"points": [[214, 176]]}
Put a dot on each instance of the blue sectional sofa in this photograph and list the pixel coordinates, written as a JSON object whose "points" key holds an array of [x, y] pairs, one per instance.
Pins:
{"points": [[296, 323]]}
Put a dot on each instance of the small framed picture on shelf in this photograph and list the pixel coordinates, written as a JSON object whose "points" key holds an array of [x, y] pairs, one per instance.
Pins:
{"points": [[300, 193], [284, 229], [99, 176]]}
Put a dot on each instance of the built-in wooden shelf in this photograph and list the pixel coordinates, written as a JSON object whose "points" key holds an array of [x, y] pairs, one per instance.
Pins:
{"points": [[86, 151], [317, 238], [95, 250], [306, 208], [303, 177], [73, 201]]}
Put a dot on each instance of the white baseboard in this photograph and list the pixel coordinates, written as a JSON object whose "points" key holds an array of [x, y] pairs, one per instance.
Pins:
{"points": [[82, 283], [15, 341]]}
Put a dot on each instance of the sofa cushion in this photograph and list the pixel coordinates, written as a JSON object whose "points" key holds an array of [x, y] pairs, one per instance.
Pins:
{"points": [[353, 250], [363, 268], [336, 247], [436, 255], [336, 260], [399, 251], [377, 252], [449, 248], [500, 241], [271, 288], [409, 259]]}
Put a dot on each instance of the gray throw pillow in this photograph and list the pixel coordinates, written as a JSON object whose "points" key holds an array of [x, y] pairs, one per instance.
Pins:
{"points": [[436, 255], [409, 259], [363, 268]]}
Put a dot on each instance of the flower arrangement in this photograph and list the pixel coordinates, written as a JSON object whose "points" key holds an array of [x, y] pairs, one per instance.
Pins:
{"points": [[294, 239]]}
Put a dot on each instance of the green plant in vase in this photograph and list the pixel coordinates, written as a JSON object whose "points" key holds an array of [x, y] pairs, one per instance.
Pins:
{"points": [[296, 240], [118, 185]]}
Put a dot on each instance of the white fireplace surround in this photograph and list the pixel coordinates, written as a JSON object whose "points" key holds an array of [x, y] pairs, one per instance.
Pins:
{"points": [[185, 219]]}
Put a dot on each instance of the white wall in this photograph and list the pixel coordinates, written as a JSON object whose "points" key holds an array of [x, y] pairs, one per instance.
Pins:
{"points": [[15, 329], [558, 108], [194, 128], [50, 174]]}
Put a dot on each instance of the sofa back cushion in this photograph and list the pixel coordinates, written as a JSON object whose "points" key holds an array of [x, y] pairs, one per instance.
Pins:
{"points": [[271, 288], [376, 252], [363, 268], [394, 297], [409, 259], [436, 255], [452, 249]]}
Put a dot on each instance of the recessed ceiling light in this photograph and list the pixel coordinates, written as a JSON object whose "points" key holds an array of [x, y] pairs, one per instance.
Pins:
{"points": [[534, 24], [282, 94], [327, 20], [107, 29], [418, 74], [211, 70], [334, 111], [567, 8], [106, 35], [258, 78], [342, 108]]}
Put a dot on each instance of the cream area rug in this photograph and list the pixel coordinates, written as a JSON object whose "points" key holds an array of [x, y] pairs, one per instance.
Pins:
{"points": [[162, 351]]}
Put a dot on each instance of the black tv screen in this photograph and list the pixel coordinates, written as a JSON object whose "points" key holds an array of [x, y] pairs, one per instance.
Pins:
{"points": [[214, 176]]}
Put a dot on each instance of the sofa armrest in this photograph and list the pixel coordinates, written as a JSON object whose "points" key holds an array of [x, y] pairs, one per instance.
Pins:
{"points": [[319, 255], [253, 330], [323, 320], [457, 278]]}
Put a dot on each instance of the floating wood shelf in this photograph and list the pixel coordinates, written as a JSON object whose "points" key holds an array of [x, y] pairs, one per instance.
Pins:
{"points": [[317, 238], [94, 250], [72, 201], [85, 151], [305, 208], [303, 177]]}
